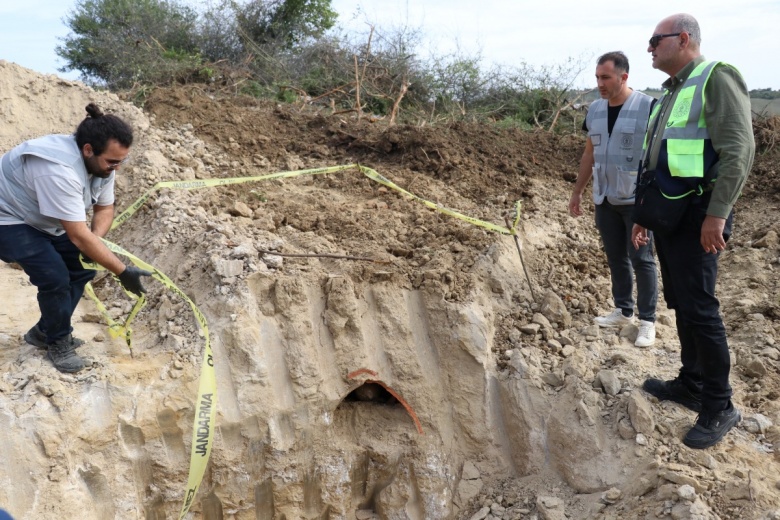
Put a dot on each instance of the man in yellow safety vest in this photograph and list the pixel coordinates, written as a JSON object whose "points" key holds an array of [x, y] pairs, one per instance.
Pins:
{"points": [[698, 152]]}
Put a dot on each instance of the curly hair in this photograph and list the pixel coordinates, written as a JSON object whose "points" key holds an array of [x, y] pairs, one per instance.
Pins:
{"points": [[98, 128]]}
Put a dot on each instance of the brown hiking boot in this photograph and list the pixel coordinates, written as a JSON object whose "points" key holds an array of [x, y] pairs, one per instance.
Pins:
{"points": [[63, 354]]}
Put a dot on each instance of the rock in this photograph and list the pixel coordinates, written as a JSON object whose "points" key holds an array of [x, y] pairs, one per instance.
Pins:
{"points": [[577, 363], [554, 309], [641, 413], [550, 508], [243, 251], [686, 492], [240, 209], [609, 382], [755, 368], [678, 477], [611, 496], [641, 439], [552, 379], [554, 345], [629, 332], [625, 430], [758, 423], [737, 490], [667, 492], [468, 489], [470, 471], [642, 486], [696, 510], [592, 331], [585, 414], [531, 329], [565, 340], [541, 320], [92, 317], [481, 514], [519, 364], [577, 448], [227, 268], [470, 484], [497, 509], [273, 261], [705, 459], [768, 240]]}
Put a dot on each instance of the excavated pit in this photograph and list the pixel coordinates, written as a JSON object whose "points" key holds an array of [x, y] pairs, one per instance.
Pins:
{"points": [[416, 379]]}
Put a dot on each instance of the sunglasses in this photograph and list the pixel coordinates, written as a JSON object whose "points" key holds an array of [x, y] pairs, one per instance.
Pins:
{"points": [[656, 38]]}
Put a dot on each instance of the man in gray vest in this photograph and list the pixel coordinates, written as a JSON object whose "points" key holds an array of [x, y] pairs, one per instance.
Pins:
{"points": [[47, 185], [616, 126], [699, 151]]}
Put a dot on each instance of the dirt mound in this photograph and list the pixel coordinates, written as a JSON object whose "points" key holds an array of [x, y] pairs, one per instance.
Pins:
{"points": [[346, 318]]}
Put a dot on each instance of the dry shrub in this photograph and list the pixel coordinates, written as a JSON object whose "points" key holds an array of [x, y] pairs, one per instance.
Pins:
{"points": [[767, 133]]}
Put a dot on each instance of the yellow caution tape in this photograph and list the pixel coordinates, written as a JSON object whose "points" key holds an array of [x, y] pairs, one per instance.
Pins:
{"points": [[203, 427], [374, 176], [116, 329], [368, 172], [210, 183]]}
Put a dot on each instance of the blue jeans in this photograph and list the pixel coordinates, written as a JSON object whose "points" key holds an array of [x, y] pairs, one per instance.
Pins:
{"points": [[614, 224], [689, 275], [52, 263]]}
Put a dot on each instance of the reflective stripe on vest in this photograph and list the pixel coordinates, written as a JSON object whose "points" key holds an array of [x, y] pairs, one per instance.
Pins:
{"points": [[616, 157], [685, 146], [686, 129]]}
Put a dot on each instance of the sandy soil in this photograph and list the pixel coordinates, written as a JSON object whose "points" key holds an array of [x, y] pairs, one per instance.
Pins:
{"points": [[526, 409]]}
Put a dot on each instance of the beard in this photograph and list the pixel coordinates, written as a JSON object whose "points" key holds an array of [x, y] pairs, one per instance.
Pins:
{"points": [[93, 168]]}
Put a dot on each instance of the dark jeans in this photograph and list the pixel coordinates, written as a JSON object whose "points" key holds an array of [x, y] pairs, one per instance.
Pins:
{"points": [[52, 263], [614, 224], [689, 275]]}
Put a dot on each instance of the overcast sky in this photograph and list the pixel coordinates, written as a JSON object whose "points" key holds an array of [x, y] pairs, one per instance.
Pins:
{"points": [[744, 33]]}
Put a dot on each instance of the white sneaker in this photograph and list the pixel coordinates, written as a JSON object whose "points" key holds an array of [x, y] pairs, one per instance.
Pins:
{"points": [[646, 335], [614, 319]]}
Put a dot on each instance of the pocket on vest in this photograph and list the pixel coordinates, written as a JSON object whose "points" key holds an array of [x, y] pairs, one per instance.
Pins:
{"points": [[626, 183]]}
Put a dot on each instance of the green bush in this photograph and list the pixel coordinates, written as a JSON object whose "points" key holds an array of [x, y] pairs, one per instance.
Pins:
{"points": [[279, 49], [121, 43]]}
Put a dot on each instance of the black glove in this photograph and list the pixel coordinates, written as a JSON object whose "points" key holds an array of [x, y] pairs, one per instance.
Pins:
{"points": [[130, 279]]}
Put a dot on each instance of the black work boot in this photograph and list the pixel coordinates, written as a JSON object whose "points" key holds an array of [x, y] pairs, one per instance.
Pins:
{"points": [[36, 337], [674, 390], [710, 427], [63, 355]]}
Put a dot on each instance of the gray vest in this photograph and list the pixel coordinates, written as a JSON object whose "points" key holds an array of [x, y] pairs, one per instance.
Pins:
{"points": [[616, 157]]}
